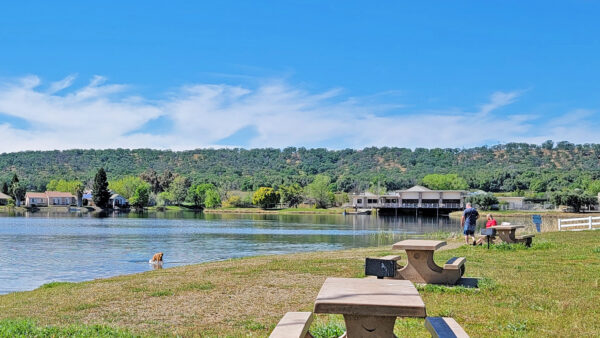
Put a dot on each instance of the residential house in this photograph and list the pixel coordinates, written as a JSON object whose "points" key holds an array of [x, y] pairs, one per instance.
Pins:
{"points": [[60, 198], [4, 199], [36, 199], [117, 200], [49, 198]]}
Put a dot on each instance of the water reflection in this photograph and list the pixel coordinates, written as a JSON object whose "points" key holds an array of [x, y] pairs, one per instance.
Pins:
{"points": [[51, 246]]}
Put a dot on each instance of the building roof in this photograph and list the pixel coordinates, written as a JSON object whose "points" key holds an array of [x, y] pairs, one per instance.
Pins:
{"points": [[4, 196], [113, 196], [48, 194], [418, 188], [51, 194], [31, 194]]}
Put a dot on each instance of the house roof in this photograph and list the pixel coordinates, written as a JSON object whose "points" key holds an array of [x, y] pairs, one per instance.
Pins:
{"points": [[113, 196], [51, 194], [4, 196], [31, 194], [48, 194]]}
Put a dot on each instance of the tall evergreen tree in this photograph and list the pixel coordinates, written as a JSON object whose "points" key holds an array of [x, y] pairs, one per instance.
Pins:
{"points": [[100, 193], [18, 193], [5, 188], [13, 185]]}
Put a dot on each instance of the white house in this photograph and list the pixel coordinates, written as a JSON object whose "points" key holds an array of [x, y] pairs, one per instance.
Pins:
{"points": [[117, 200]]}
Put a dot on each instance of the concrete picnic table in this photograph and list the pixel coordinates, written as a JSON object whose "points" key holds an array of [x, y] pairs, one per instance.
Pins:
{"points": [[421, 268], [507, 234], [370, 306]]}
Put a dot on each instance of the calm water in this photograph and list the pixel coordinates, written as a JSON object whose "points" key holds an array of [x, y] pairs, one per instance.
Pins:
{"points": [[40, 248]]}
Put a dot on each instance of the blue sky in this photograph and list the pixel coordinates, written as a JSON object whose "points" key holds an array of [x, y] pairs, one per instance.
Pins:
{"points": [[337, 74]]}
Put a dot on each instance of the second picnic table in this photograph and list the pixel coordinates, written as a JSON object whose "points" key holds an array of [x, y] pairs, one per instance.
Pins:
{"points": [[420, 266], [370, 306], [508, 234]]}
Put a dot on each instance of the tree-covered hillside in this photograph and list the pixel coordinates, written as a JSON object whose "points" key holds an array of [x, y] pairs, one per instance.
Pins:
{"points": [[509, 167]]}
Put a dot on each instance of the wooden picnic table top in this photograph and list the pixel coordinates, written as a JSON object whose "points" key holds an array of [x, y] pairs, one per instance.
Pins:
{"points": [[507, 227], [418, 244], [370, 297]]}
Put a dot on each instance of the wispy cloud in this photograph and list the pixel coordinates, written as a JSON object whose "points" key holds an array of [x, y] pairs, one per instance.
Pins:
{"points": [[105, 115], [62, 84]]}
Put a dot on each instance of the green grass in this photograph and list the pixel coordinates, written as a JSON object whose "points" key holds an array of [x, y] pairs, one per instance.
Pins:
{"points": [[29, 328], [52, 285], [549, 289], [162, 293]]}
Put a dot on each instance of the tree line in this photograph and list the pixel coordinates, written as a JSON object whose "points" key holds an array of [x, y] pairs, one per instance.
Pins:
{"points": [[510, 168]]}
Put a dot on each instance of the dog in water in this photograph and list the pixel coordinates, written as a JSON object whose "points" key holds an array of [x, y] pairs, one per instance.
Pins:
{"points": [[157, 258]]}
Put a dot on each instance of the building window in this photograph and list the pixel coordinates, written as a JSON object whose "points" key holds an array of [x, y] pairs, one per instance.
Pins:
{"points": [[359, 201]]}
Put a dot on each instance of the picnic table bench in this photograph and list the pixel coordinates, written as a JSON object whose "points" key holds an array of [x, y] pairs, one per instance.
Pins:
{"points": [[506, 232], [293, 325], [369, 306], [421, 268], [444, 327]]}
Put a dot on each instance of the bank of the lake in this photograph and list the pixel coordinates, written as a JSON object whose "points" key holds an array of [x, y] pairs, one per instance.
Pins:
{"points": [[529, 213], [286, 211], [550, 289]]}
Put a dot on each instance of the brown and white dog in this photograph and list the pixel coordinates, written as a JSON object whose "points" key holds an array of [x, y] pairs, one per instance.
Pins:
{"points": [[157, 258]]}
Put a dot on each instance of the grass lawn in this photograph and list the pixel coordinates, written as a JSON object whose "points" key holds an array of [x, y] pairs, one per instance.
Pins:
{"points": [[528, 213], [551, 289]]}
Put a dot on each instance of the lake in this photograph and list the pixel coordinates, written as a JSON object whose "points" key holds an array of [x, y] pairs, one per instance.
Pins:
{"points": [[37, 248]]}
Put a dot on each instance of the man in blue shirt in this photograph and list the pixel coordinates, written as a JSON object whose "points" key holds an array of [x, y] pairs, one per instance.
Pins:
{"points": [[469, 221]]}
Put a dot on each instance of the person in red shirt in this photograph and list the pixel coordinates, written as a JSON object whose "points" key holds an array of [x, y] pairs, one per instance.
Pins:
{"points": [[490, 223]]}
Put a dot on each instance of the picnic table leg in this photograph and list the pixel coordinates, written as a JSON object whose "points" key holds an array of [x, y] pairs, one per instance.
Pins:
{"points": [[420, 267], [369, 326], [507, 236]]}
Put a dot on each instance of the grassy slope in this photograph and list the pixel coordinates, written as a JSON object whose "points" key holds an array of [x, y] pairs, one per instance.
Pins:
{"points": [[528, 213], [550, 289]]}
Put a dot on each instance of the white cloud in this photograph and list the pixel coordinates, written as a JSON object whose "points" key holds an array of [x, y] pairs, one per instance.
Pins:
{"points": [[104, 115], [62, 84]]}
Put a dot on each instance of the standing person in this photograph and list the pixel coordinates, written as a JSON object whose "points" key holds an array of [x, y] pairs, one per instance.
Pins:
{"points": [[469, 221], [490, 223]]}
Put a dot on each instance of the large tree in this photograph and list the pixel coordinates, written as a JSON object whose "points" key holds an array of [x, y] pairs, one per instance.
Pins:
{"points": [[213, 199], [141, 196], [13, 183], [197, 194], [265, 197], [573, 198], [151, 177], [126, 186], [291, 194], [166, 179], [100, 193], [18, 192], [319, 190], [179, 189]]}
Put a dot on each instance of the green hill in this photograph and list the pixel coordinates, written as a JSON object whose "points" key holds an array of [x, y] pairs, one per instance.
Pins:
{"points": [[509, 167]]}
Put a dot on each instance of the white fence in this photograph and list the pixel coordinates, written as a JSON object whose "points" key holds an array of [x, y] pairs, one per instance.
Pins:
{"points": [[578, 224]]}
